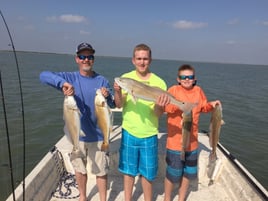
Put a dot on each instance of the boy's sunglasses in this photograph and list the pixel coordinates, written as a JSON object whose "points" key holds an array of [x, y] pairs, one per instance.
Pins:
{"points": [[184, 77], [83, 57]]}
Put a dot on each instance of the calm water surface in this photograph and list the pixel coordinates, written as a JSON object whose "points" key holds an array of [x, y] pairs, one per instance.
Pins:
{"points": [[242, 89]]}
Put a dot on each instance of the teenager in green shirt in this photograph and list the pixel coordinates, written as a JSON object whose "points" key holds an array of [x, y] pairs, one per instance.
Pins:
{"points": [[139, 142]]}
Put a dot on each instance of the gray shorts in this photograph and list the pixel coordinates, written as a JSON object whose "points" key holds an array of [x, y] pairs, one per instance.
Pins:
{"points": [[92, 159]]}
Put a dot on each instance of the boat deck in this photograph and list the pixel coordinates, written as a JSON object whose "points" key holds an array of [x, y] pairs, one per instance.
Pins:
{"points": [[54, 171], [199, 188]]}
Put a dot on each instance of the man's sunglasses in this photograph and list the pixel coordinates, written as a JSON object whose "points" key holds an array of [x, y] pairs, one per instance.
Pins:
{"points": [[184, 77], [83, 57]]}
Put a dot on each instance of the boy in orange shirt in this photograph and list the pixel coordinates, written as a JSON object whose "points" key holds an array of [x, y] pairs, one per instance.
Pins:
{"points": [[178, 170]]}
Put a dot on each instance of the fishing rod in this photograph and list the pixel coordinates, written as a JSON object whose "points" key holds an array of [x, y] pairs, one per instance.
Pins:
{"points": [[22, 108], [8, 141]]}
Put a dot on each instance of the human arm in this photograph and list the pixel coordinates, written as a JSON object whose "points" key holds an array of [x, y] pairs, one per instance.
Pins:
{"points": [[209, 106], [118, 96], [174, 91], [214, 103], [52, 79], [57, 81]]}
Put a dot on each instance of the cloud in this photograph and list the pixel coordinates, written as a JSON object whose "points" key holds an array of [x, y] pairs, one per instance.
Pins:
{"points": [[233, 21], [265, 23], [82, 32], [183, 24], [262, 23], [72, 18], [67, 18]]}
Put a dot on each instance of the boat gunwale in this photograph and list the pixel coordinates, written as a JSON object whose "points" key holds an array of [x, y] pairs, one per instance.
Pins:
{"points": [[247, 175]]}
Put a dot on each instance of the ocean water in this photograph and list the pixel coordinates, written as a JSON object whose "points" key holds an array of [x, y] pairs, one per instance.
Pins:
{"points": [[242, 89]]}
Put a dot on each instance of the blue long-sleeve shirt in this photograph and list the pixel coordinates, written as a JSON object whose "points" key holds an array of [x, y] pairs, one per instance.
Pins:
{"points": [[85, 91]]}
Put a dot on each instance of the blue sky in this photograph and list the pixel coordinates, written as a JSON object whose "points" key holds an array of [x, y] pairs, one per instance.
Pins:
{"points": [[230, 31]]}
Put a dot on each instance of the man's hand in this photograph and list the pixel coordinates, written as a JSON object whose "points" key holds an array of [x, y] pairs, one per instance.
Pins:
{"points": [[105, 92], [68, 89]]}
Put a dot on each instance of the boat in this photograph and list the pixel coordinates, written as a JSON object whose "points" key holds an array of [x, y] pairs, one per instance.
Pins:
{"points": [[226, 179]]}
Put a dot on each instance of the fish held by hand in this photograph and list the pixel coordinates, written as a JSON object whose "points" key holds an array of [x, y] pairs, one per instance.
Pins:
{"points": [[216, 122], [104, 118], [143, 91], [187, 120], [72, 128]]}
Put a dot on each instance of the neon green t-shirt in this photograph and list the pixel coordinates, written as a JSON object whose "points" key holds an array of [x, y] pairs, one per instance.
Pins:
{"points": [[139, 118]]}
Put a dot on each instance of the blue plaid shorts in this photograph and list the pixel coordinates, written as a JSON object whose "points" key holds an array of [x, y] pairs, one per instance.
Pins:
{"points": [[138, 156]]}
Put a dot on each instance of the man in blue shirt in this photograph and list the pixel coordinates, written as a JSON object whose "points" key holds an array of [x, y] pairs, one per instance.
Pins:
{"points": [[83, 84]]}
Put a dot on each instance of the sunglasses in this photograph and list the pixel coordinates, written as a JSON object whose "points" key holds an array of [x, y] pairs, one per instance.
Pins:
{"points": [[83, 57], [184, 77]]}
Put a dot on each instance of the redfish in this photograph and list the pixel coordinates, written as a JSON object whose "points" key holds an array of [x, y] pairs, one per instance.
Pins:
{"points": [[187, 120], [216, 122], [140, 90], [104, 118], [71, 116]]}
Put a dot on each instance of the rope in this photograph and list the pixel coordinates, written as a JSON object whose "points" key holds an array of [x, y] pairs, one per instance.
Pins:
{"points": [[67, 187]]}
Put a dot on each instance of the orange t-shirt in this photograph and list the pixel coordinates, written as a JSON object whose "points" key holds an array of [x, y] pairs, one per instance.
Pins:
{"points": [[174, 116]]}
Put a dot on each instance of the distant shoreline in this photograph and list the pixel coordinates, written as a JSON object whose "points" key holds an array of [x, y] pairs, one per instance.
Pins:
{"points": [[189, 62], [23, 51], [34, 52]]}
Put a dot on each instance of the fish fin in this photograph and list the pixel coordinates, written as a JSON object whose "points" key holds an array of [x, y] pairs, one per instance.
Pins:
{"points": [[133, 98], [82, 134], [76, 153], [211, 182], [222, 122]]}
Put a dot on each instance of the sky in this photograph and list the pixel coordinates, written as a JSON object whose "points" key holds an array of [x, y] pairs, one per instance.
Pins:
{"points": [[225, 31]]}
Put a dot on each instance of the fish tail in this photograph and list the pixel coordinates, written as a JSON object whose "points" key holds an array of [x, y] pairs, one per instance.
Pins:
{"points": [[214, 170], [76, 153], [211, 182], [104, 146]]}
